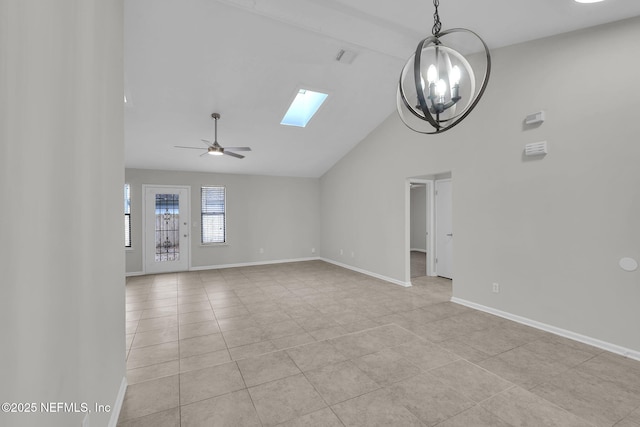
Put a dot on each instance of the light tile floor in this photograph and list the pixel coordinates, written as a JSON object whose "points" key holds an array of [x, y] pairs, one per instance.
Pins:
{"points": [[418, 264], [312, 344]]}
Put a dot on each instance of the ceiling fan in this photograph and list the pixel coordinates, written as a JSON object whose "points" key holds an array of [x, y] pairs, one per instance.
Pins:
{"points": [[216, 149]]}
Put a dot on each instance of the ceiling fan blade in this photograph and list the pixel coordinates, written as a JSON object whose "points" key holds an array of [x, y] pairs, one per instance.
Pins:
{"points": [[238, 148], [203, 154], [229, 153], [207, 142], [193, 148]]}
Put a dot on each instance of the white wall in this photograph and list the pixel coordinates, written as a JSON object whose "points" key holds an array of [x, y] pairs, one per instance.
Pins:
{"points": [[549, 230], [61, 153], [418, 218], [278, 214]]}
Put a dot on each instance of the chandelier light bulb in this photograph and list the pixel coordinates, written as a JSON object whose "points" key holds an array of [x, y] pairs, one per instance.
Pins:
{"points": [[454, 81], [432, 74], [454, 77], [441, 88]]}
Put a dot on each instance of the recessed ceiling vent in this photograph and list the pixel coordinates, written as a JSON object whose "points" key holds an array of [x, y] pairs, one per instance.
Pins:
{"points": [[345, 56]]}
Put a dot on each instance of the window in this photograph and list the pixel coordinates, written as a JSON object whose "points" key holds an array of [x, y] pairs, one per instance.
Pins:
{"points": [[303, 107], [213, 215], [127, 216]]}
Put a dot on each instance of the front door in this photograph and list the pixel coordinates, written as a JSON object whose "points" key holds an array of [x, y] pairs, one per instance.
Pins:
{"points": [[166, 226]]}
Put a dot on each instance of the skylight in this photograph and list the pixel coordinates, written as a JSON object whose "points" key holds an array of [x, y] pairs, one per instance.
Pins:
{"points": [[303, 107]]}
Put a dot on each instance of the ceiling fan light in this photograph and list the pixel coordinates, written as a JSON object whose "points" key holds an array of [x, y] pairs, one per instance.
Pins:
{"points": [[215, 151]]}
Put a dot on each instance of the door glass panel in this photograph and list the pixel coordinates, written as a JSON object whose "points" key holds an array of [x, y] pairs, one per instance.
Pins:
{"points": [[167, 227]]}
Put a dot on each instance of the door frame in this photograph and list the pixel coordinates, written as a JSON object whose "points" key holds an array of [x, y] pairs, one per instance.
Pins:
{"points": [[144, 222], [430, 219]]}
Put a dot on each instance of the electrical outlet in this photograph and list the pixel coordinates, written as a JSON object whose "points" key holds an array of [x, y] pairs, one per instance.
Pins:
{"points": [[313, 250], [341, 252], [261, 250], [353, 254], [495, 288]]}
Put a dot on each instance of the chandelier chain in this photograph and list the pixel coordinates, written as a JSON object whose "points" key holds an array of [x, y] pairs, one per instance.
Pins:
{"points": [[437, 25]]}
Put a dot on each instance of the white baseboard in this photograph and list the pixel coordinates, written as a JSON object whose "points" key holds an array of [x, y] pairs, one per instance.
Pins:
{"points": [[240, 264], [115, 412], [368, 273], [613, 348], [134, 273], [251, 264], [424, 251]]}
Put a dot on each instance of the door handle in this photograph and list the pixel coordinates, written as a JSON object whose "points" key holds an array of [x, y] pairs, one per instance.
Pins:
{"points": [[450, 234]]}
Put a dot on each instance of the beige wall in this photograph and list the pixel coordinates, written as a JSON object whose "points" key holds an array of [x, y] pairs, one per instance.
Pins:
{"points": [[61, 153], [550, 230], [278, 214]]}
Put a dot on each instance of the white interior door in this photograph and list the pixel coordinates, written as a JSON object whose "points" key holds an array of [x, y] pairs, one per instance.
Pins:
{"points": [[166, 226], [444, 229]]}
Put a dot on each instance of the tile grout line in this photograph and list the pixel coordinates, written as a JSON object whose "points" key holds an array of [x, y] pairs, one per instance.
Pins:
{"points": [[179, 358], [240, 371]]}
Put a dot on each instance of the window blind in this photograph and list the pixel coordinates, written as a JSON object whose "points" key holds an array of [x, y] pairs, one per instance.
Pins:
{"points": [[213, 223]]}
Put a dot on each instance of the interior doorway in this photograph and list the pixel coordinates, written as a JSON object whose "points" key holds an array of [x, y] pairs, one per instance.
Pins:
{"points": [[424, 255], [419, 234], [420, 226]]}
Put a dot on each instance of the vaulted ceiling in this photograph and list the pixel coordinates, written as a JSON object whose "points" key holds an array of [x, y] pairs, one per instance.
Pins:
{"points": [[246, 59]]}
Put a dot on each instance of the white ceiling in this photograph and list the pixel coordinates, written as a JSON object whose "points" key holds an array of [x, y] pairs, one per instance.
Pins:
{"points": [[246, 59]]}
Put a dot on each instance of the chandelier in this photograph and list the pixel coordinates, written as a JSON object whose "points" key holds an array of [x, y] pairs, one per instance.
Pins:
{"points": [[438, 86]]}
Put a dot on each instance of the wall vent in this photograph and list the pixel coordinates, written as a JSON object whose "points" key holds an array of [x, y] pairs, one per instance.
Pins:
{"points": [[536, 149], [535, 118], [345, 56]]}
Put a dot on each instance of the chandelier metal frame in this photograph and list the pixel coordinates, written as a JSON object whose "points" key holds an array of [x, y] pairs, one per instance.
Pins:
{"points": [[431, 106]]}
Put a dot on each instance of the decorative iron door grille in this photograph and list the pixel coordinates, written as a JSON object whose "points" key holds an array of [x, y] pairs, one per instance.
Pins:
{"points": [[167, 228]]}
